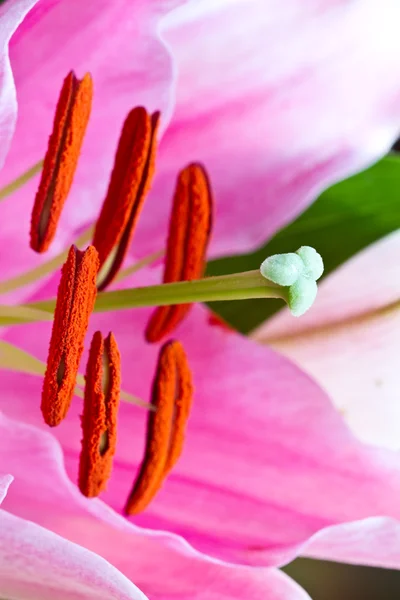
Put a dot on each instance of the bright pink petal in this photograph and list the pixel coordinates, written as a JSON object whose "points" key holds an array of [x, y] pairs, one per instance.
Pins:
{"points": [[118, 43], [264, 444], [162, 565], [349, 341], [11, 15], [278, 99]]}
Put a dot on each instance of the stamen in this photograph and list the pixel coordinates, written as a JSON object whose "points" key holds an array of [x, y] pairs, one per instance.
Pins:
{"points": [[130, 181], [65, 142], [75, 301], [189, 234], [172, 399], [99, 419]]}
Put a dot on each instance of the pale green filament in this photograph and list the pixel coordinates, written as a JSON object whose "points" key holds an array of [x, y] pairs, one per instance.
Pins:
{"points": [[45, 268], [140, 264], [16, 359], [12, 187], [298, 271], [57, 261]]}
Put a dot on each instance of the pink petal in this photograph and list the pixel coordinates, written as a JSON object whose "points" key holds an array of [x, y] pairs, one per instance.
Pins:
{"points": [[11, 15], [263, 445], [36, 564], [162, 565], [278, 99], [349, 343], [118, 43], [373, 542], [5, 481]]}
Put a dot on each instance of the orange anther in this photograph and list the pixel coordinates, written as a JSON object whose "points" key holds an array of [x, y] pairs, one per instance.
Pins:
{"points": [[172, 398], [99, 419], [75, 301], [189, 234], [65, 142], [130, 181]]}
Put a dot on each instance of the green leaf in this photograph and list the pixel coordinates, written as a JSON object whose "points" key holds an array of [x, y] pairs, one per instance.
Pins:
{"points": [[345, 219]]}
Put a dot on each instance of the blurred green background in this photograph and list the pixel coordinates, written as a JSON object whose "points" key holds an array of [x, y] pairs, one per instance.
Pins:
{"points": [[345, 219], [334, 581]]}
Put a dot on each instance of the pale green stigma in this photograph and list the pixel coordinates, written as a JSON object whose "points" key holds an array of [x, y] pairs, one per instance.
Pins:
{"points": [[299, 271]]}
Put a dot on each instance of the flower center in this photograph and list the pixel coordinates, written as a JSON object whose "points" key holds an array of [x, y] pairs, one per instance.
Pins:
{"points": [[86, 272]]}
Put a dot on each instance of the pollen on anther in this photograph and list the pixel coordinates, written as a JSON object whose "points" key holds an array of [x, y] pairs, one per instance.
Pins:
{"points": [[75, 300], [64, 146], [99, 419], [129, 184], [189, 234], [172, 399]]}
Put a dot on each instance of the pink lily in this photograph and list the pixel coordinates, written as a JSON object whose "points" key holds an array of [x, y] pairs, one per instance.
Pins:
{"points": [[232, 467]]}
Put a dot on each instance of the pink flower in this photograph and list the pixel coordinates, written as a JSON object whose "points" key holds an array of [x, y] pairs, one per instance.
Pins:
{"points": [[269, 469]]}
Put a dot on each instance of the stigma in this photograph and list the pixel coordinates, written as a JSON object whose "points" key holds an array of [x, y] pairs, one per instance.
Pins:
{"points": [[299, 272]]}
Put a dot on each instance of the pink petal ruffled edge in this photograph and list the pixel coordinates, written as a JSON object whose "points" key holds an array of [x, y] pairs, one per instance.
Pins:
{"points": [[12, 14], [161, 564]]}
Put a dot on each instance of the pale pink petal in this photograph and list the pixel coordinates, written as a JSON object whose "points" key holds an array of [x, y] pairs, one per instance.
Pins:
{"points": [[11, 15], [5, 481], [374, 542], [36, 564], [118, 43], [160, 564], [264, 444], [278, 99], [349, 341]]}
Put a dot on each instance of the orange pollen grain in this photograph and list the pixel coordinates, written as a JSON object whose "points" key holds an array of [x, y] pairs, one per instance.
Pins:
{"points": [[189, 234], [65, 142], [172, 398], [75, 302], [99, 419], [130, 182]]}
